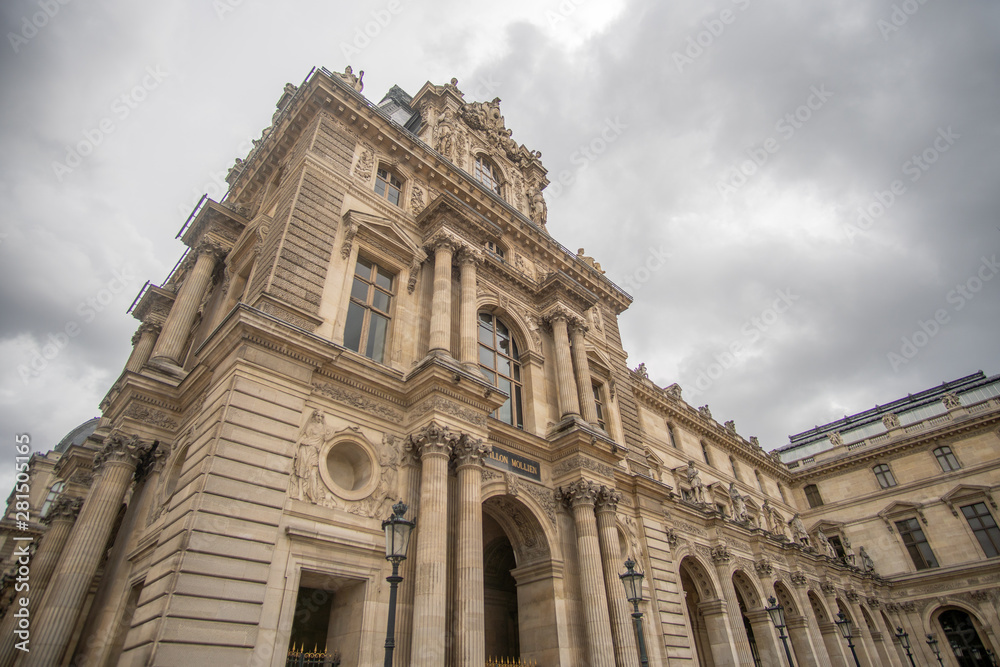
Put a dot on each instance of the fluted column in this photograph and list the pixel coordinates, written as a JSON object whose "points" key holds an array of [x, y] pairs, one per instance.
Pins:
{"points": [[720, 558], [836, 650], [142, 346], [443, 247], [569, 404], [581, 496], [468, 317], [766, 638], [408, 569], [470, 615], [719, 636], [434, 444], [177, 328], [62, 514], [114, 467], [622, 629], [584, 387]]}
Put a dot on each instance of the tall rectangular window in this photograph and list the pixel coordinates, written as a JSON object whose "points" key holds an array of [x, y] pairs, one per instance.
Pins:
{"points": [[599, 404], [946, 459], [985, 527], [368, 313], [812, 495], [704, 452], [760, 482], [916, 544], [884, 475]]}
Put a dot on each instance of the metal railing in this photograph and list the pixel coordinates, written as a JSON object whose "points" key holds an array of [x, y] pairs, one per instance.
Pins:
{"points": [[299, 657], [510, 662]]}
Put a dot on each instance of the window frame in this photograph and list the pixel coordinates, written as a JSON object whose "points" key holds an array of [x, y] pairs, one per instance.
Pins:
{"points": [[368, 306], [388, 184], [813, 497], [917, 556], [942, 457], [516, 376], [883, 475], [600, 404], [50, 497], [990, 533], [704, 453], [495, 176]]}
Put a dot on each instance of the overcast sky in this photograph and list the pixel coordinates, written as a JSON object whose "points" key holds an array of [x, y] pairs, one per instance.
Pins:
{"points": [[713, 156]]}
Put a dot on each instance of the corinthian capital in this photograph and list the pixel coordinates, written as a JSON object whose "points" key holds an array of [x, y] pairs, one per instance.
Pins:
{"points": [[470, 255], [562, 314], [63, 507], [608, 499], [145, 327], [432, 439], [211, 247], [471, 451], [443, 239], [582, 492], [120, 448]]}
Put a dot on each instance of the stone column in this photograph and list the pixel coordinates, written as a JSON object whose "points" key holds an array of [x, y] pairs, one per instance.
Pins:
{"points": [[62, 514], [114, 467], [584, 386], [719, 638], [768, 644], [798, 635], [443, 247], [622, 629], [863, 639], [408, 569], [142, 346], [581, 496], [836, 648], [720, 558], [468, 316], [430, 579], [177, 328], [470, 615], [569, 405]]}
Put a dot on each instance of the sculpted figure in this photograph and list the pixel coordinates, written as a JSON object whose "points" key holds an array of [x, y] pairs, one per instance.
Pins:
{"points": [[739, 505], [444, 134], [824, 544], [538, 211], [307, 459], [355, 82], [867, 564], [694, 479], [799, 533]]}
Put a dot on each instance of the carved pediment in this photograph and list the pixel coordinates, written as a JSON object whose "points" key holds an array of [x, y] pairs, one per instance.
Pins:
{"points": [[967, 493], [899, 510], [381, 232]]}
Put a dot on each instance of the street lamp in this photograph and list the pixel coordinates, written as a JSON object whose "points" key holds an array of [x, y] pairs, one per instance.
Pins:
{"points": [[935, 649], [397, 537], [632, 581], [847, 630], [904, 641], [777, 614]]}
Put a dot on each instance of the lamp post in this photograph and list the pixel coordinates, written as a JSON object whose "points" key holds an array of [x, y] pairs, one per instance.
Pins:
{"points": [[904, 641], [847, 631], [777, 614], [397, 537], [632, 581], [935, 649]]}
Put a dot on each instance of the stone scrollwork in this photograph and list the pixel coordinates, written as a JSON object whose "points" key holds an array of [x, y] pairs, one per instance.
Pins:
{"points": [[433, 439], [608, 498], [120, 448], [720, 554], [469, 450], [582, 492], [798, 579], [63, 507], [763, 566]]}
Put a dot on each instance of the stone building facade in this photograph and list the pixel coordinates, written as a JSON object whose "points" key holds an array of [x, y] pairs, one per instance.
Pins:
{"points": [[375, 312]]}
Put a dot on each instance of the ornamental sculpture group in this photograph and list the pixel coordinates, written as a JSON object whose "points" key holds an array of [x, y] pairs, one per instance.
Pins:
{"points": [[775, 523]]}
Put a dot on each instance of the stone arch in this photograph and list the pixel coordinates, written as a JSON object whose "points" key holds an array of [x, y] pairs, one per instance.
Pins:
{"points": [[819, 607], [786, 599], [930, 613], [983, 632], [700, 575], [744, 584], [527, 533]]}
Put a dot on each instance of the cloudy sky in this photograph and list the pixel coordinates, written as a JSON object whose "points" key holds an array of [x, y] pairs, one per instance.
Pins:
{"points": [[802, 197]]}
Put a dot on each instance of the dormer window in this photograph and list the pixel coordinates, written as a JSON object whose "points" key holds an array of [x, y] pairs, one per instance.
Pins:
{"points": [[496, 250], [487, 174], [388, 185]]}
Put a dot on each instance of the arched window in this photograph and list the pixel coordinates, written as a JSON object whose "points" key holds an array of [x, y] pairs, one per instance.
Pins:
{"points": [[884, 475], [499, 362], [946, 458], [812, 495], [54, 492], [388, 185], [487, 174]]}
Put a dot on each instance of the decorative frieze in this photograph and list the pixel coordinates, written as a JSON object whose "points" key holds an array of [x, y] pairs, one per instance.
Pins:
{"points": [[359, 401]]}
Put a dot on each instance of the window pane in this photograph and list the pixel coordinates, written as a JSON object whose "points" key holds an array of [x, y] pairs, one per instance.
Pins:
{"points": [[363, 268], [486, 333], [502, 330], [376, 337], [393, 196], [384, 279], [380, 300], [504, 411], [517, 372], [359, 291], [355, 322], [517, 407], [380, 185], [490, 376], [515, 355], [486, 357], [503, 366]]}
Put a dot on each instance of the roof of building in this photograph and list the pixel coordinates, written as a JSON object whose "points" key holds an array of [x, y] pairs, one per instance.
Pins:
{"points": [[78, 435]]}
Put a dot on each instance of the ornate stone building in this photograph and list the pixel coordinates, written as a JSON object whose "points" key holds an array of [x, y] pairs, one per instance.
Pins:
{"points": [[375, 312]]}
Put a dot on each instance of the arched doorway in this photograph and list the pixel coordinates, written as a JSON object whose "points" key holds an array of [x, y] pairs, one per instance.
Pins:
{"points": [[748, 600], [699, 593], [961, 635], [518, 584]]}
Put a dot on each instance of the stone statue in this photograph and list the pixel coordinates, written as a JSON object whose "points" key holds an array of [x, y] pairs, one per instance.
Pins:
{"points": [[767, 513], [836, 439], [824, 544], [308, 483], [867, 564], [848, 550], [537, 210], [355, 82], [444, 133], [890, 421], [799, 533], [739, 505], [951, 401], [641, 368], [780, 527], [697, 487]]}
